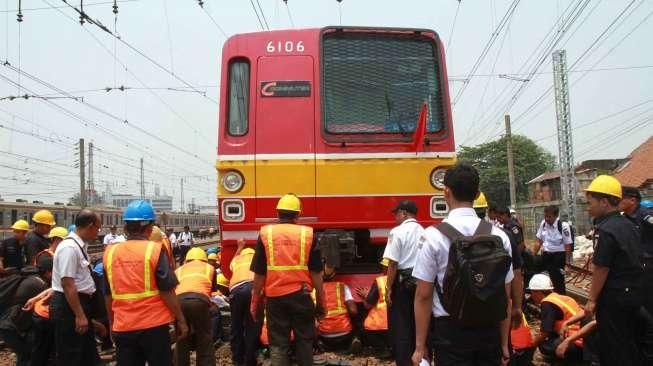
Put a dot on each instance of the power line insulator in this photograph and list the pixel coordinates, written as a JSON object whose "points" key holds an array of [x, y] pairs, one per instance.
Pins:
{"points": [[201, 3], [19, 16], [115, 7]]}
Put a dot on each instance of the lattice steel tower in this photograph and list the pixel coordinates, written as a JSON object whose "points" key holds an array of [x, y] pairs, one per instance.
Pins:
{"points": [[565, 145]]}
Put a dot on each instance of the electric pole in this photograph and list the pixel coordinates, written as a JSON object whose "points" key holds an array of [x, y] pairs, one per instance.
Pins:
{"points": [[511, 163], [565, 145], [182, 195], [142, 181], [90, 185], [82, 176]]}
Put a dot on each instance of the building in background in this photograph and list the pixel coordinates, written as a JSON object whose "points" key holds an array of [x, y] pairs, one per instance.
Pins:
{"points": [[637, 170], [160, 203]]}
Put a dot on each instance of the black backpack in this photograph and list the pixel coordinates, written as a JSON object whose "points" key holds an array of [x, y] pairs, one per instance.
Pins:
{"points": [[473, 289]]}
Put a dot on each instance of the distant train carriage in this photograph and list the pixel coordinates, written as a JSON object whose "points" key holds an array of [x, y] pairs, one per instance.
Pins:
{"points": [[65, 215], [350, 119]]}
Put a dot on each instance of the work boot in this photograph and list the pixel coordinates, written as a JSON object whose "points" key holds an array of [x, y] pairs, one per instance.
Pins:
{"points": [[356, 346]]}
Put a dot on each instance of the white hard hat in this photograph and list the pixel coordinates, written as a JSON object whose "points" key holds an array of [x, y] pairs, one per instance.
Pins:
{"points": [[540, 282]]}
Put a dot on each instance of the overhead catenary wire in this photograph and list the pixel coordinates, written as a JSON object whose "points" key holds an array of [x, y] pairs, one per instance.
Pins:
{"points": [[493, 37], [453, 25], [133, 48], [215, 23], [265, 20], [257, 16], [585, 72], [110, 115], [292, 22]]}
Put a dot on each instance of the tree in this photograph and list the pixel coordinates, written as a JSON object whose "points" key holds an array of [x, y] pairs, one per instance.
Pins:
{"points": [[492, 163]]}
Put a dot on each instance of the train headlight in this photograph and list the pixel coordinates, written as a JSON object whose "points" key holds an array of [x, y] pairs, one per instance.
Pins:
{"points": [[437, 178], [232, 181]]}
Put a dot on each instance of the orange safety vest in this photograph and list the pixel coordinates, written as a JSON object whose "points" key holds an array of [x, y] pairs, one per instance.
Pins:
{"points": [[44, 251], [521, 337], [41, 309], [240, 271], [569, 308], [195, 276], [287, 248], [337, 318], [377, 318], [130, 268]]}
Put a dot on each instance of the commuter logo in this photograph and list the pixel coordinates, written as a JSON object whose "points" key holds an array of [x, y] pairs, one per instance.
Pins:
{"points": [[286, 88]]}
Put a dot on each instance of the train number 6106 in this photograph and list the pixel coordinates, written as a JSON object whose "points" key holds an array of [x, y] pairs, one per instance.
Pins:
{"points": [[285, 46]]}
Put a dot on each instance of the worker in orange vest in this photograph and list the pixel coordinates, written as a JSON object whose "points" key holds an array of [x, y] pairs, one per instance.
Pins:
{"points": [[336, 329], [245, 330], [160, 236], [286, 269], [555, 311], [521, 340], [376, 321], [56, 236], [141, 299], [196, 283]]}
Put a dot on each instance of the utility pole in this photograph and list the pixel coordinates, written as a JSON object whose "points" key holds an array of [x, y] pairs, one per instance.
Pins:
{"points": [[82, 176], [142, 181], [565, 145], [511, 163], [182, 195], [90, 185]]}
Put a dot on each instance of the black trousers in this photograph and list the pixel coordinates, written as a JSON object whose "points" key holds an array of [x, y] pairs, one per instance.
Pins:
{"points": [[647, 285], [245, 332], [72, 348], [293, 311], [401, 321], [554, 263], [150, 345], [42, 341], [196, 312], [459, 346], [183, 250], [18, 344], [617, 320]]}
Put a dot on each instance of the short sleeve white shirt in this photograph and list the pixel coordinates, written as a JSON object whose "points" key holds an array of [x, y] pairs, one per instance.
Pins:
{"points": [[112, 239], [70, 262], [552, 239], [403, 243], [173, 239], [433, 257], [185, 238]]}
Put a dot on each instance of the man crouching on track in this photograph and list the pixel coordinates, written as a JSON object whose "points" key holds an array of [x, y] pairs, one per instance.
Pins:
{"points": [[286, 269], [141, 299]]}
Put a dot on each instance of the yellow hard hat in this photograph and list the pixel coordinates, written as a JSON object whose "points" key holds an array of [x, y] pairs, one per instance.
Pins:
{"points": [[58, 232], [44, 217], [20, 225], [212, 256], [480, 201], [222, 280], [605, 184], [157, 234], [196, 254], [384, 262], [289, 202], [247, 251]]}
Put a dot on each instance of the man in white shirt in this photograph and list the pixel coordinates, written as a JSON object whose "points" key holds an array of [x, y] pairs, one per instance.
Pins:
{"points": [[455, 344], [554, 236], [70, 307], [185, 242], [112, 237], [401, 252]]}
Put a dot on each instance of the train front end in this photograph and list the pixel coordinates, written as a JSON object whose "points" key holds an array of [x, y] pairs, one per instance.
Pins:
{"points": [[350, 119]]}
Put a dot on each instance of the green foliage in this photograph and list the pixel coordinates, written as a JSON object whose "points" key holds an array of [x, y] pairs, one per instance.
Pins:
{"points": [[492, 163]]}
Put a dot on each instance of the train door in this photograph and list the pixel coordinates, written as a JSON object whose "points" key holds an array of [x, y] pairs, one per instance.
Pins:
{"points": [[285, 133]]}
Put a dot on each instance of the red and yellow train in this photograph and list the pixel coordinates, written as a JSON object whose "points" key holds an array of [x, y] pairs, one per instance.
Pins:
{"points": [[350, 119]]}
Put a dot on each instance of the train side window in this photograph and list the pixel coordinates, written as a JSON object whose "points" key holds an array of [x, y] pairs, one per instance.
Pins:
{"points": [[237, 113]]}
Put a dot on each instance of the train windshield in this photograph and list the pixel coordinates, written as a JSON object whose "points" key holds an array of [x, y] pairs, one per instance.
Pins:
{"points": [[374, 84]]}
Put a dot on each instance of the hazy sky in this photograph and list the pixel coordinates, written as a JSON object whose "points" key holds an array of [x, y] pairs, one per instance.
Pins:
{"points": [[610, 104]]}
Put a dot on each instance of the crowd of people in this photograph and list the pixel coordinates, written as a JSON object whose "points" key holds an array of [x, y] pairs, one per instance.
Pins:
{"points": [[454, 293]]}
